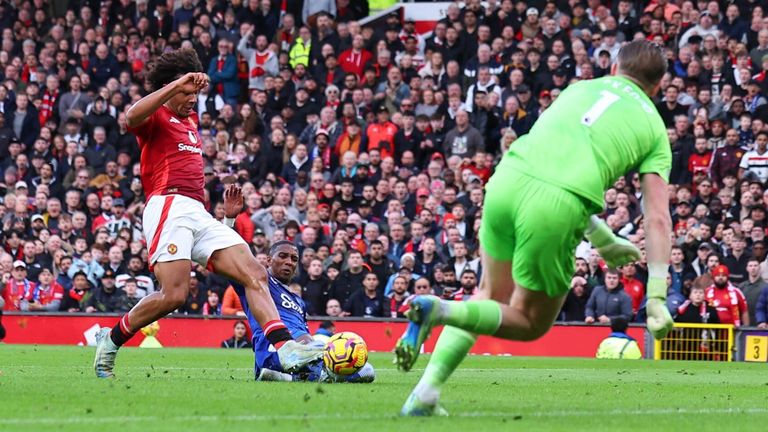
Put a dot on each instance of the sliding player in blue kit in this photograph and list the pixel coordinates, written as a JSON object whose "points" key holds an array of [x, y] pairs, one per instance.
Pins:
{"points": [[283, 261]]}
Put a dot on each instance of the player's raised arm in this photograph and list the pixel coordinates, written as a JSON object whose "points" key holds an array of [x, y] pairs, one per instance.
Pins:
{"points": [[658, 243], [190, 83]]}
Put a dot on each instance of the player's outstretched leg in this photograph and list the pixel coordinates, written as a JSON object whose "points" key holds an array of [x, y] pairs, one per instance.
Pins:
{"points": [[426, 312], [174, 279], [238, 264], [502, 308]]}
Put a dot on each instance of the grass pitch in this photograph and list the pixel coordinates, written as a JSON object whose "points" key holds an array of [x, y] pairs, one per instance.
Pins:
{"points": [[53, 388]]}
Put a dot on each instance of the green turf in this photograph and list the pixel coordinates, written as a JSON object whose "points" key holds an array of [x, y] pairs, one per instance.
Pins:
{"points": [[53, 388]]}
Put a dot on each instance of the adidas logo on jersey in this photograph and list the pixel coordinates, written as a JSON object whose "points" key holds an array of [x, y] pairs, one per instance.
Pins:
{"points": [[174, 120]]}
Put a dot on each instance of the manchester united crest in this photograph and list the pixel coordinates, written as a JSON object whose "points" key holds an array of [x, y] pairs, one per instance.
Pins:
{"points": [[172, 249]]}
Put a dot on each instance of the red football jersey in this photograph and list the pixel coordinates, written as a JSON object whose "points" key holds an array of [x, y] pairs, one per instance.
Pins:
{"points": [[635, 290], [171, 155], [730, 303]]}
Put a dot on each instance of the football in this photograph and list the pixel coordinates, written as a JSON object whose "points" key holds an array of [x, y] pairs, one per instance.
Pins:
{"points": [[345, 353]]}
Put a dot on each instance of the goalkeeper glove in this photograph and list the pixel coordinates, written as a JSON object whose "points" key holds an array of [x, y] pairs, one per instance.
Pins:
{"points": [[659, 321], [616, 251]]}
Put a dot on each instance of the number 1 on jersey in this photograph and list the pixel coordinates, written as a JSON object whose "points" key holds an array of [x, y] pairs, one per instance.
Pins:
{"points": [[606, 99]]}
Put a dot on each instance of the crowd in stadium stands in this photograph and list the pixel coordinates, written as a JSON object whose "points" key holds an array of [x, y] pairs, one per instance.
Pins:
{"points": [[369, 146]]}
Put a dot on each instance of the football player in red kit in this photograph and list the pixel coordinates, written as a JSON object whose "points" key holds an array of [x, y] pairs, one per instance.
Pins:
{"points": [[177, 227]]}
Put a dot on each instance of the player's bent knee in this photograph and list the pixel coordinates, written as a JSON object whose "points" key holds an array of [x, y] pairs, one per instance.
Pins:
{"points": [[174, 298]]}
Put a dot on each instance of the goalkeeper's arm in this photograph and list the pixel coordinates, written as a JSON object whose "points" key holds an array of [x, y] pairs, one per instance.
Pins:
{"points": [[658, 242], [658, 228]]}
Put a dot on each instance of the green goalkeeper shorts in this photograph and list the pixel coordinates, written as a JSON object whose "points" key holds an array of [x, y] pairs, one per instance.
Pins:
{"points": [[535, 225]]}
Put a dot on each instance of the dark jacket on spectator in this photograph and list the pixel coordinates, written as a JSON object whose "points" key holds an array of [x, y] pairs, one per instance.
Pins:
{"points": [[30, 128], [106, 301], [726, 161], [227, 77], [316, 293], [102, 70], [612, 304], [575, 307], [361, 305], [98, 157], [232, 343], [346, 284], [292, 168]]}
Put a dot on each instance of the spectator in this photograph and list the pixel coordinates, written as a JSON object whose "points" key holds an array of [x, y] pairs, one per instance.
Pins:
{"points": [[463, 140], [316, 289], [131, 296], [73, 103], [239, 338], [222, 71], [77, 297], [368, 301], [106, 297], [350, 280], [619, 345], [231, 304], [574, 307], [761, 310], [17, 288], [754, 161], [727, 159], [467, 284], [379, 263], [333, 308], [728, 300], [752, 288], [393, 304], [696, 310], [212, 306], [737, 259], [262, 62], [24, 120], [196, 299], [356, 57], [608, 301]]}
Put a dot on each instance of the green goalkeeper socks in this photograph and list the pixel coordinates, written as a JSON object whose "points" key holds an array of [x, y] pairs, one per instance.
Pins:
{"points": [[463, 321], [452, 346], [481, 317]]}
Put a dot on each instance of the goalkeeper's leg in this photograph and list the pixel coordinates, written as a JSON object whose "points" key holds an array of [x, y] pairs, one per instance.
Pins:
{"points": [[500, 309]]}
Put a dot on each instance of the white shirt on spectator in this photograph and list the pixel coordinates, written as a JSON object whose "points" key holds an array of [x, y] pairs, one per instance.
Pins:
{"points": [[756, 163]]}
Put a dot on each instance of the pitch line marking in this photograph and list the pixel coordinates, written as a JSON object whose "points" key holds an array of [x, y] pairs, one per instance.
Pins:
{"points": [[288, 417]]}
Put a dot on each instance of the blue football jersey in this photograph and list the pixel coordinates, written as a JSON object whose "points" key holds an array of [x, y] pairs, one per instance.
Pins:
{"points": [[292, 312]]}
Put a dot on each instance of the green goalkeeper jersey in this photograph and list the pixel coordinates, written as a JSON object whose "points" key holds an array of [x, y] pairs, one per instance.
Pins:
{"points": [[595, 132]]}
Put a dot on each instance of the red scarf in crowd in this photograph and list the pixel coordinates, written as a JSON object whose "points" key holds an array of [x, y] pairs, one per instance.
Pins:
{"points": [[46, 106], [219, 68]]}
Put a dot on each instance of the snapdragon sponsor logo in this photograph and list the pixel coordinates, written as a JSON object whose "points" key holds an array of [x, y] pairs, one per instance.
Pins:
{"points": [[189, 148]]}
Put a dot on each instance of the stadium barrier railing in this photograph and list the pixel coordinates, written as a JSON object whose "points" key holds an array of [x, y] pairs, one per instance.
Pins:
{"points": [[708, 342]]}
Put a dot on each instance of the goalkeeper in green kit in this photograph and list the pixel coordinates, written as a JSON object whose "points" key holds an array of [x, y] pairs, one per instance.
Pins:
{"points": [[540, 203]]}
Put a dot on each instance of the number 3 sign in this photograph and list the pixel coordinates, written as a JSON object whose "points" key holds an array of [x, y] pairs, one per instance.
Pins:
{"points": [[756, 349]]}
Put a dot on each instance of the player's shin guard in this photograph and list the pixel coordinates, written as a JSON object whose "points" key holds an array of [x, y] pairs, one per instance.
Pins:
{"points": [[121, 332]]}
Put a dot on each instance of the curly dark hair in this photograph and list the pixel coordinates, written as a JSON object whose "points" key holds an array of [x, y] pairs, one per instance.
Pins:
{"points": [[171, 65]]}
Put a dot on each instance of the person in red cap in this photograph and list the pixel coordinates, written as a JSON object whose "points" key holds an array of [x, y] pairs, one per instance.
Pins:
{"points": [[729, 301]]}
